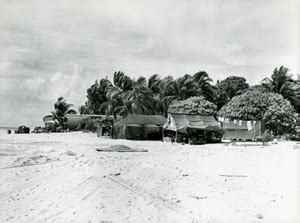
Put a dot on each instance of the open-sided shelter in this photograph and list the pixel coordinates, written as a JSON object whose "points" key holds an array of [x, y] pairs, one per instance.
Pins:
{"points": [[242, 130], [139, 127], [192, 129]]}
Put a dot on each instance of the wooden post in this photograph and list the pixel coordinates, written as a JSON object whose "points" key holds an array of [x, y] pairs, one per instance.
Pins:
{"points": [[176, 136]]}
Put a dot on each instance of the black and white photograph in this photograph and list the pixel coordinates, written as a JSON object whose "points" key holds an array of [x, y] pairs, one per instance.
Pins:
{"points": [[161, 111]]}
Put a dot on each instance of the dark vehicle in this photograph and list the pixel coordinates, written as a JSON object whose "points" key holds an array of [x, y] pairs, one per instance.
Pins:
{"points": [[23, 130], [38, 130]]}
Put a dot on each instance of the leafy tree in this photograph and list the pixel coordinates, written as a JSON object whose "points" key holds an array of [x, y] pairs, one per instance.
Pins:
{"points": [[281, 82], [276, 112], [230, 87], [257, 88], [62, 108], [193, 105]]}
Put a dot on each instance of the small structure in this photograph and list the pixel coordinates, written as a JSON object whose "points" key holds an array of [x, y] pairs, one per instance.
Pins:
{"points": [[83, 122], [139, 127], [192, 129], [242, 130]]}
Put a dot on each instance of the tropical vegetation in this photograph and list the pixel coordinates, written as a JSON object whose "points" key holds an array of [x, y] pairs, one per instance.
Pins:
{"points": [[281, 82], [193, 105], [274, 100], [62, 108], [276, 112]]}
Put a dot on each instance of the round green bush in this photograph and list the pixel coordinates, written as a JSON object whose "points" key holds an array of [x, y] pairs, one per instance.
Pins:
{"points": [[193, 105], [276, 112]]}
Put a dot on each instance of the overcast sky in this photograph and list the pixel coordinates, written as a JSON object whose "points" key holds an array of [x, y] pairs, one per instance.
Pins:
{"points": [[59, 48]]}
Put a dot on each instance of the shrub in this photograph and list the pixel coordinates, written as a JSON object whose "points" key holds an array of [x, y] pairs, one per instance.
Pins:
{"points": [[276, 112], [193, 105]]}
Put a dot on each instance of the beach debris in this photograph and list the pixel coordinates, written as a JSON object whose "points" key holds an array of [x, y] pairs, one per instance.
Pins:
{"points": [[184, 175], [259, 216], [71, 153], [30, 161], [223, 175], [196, 197], [120, 148], [117, 174]]}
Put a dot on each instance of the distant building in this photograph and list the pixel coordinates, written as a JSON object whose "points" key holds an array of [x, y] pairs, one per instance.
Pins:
{"points": [[81, 122], [242, 130]]}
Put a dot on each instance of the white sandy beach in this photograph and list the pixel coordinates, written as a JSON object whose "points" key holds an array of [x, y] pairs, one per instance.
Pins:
{"points": [[62, 178]]}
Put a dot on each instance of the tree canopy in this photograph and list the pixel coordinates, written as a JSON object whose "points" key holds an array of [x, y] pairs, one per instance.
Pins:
{"points": [[281, 82], [193, 105], [62, 108], [276, 112], [230, 87], [191, 94], [142, 96]]}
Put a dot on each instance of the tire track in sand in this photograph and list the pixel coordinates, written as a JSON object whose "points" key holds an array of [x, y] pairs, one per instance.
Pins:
{"points": [[140, 191], [76, 196]]}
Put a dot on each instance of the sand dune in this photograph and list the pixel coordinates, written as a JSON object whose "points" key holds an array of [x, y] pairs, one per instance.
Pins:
{"points": [[62, 178]]}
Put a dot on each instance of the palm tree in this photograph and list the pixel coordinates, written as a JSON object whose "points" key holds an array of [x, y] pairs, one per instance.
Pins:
{"points": [[155, 84], [96, 95], [204, 82], [281, 83], [179, 89], [83, 109], [141, 81], [62, 108], [122, 81], [140, 101], [114, 99]]}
